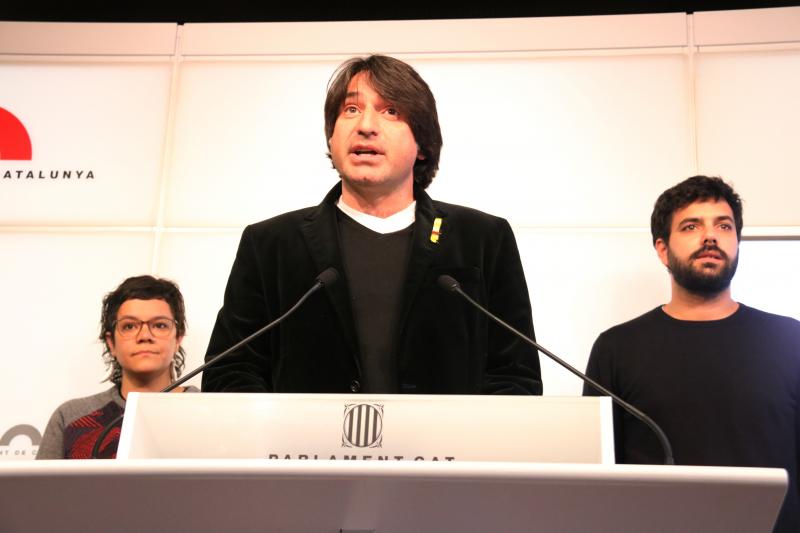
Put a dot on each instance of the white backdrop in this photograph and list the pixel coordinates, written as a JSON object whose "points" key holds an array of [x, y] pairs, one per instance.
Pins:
{"points": [[569, 127]]}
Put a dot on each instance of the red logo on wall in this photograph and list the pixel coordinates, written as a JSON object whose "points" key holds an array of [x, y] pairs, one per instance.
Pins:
{"points": [[15, 143]]}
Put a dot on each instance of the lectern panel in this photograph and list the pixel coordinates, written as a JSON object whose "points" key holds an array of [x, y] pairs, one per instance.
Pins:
{"points": [[368, 428]]}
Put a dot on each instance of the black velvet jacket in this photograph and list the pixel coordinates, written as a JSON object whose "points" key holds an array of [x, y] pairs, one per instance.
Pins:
{"points": [[444, 345]]}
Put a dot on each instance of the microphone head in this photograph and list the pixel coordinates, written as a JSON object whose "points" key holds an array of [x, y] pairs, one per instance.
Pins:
{"points": [[328, 276], [448, 283]]}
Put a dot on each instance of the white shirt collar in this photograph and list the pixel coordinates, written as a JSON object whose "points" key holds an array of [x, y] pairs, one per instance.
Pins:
{"points": [[400, 220]]}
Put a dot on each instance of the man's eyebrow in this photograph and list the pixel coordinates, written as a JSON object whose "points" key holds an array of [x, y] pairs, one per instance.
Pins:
{"points": [[698, 219]]}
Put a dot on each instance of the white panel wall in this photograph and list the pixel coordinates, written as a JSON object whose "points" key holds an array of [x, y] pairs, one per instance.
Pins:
{"points": [[519, 134], [767, 276], [748, 107], [569, 127], [249, 142]]}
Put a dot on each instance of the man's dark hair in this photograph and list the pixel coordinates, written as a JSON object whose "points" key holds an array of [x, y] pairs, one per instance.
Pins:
{"points": [[398, 83], [141, 288], [689, 191]]}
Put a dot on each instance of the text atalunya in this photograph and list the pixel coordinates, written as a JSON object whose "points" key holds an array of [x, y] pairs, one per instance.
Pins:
{"points": [[48, 175]]}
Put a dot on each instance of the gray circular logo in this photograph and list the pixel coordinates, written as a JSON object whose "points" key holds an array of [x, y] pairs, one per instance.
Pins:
{"points": [[22, 429], [363, 425]]}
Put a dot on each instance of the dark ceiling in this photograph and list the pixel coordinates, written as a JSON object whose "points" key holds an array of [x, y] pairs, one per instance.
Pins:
{"points": [[265, 11]]}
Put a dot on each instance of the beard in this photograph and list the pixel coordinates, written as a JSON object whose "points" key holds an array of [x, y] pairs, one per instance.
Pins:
{"points": [[697, 281]]}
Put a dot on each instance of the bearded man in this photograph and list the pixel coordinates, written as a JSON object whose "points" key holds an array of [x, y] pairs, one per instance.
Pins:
{"points": [[721, 379]]}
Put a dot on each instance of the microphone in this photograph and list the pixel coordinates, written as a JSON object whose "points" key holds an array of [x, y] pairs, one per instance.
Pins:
{"points": [[449, 284], [327, 277]]}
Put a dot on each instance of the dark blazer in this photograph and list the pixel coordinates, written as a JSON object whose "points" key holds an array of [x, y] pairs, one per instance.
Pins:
{"points": [[444, 345]]}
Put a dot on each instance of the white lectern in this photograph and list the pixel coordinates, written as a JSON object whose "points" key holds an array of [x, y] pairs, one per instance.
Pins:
{"points": [[361, 427], [359, 492]]}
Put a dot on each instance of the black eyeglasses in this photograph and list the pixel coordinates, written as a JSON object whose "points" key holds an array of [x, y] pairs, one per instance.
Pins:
{"points": [[160, 327]]}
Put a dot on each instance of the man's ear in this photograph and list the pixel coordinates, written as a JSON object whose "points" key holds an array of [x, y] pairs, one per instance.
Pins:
{"points": [[662, 249]]}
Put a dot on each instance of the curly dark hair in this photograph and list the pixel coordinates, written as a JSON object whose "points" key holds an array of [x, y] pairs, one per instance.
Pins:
{"points": [[690, 190], [396, 82], [141, 288]]}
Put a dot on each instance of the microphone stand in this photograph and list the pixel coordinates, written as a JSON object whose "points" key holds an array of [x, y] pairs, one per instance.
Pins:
{"points": [[450, 284]]}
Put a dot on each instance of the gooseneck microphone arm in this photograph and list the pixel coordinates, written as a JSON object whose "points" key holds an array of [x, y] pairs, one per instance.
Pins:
{"points": [[449, 284], [326, 277]]}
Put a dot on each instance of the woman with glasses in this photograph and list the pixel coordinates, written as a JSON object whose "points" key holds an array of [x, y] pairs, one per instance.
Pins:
{"points": [[143, 322]]}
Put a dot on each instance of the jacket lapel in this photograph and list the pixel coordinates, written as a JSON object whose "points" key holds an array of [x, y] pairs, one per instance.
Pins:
{"points": [[423, 252], [321, 235]]}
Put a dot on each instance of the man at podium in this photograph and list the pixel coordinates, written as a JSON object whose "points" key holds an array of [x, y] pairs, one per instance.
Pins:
{"points": [[721, 379], [384, 326]]}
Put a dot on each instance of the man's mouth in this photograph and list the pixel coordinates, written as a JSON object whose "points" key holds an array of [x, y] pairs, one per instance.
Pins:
{"points": [[710, 253], [365, 150]]}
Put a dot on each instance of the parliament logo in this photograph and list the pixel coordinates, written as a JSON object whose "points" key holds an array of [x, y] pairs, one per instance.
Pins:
{"points": [[15, 145], [363, 425], [11, 446]]}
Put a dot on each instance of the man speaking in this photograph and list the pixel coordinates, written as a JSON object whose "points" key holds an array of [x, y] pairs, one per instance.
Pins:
{"points": [[385, 326]]}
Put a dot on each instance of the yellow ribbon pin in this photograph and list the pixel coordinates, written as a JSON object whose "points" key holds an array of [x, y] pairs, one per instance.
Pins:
{"points": [[436, 231]]}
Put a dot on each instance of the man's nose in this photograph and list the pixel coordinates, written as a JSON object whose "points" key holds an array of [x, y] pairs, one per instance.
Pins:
{"points": [[367, 124], [710, 235]]}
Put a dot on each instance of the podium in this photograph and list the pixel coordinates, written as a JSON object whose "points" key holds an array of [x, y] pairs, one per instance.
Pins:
{"points": [[355, 494], [368, 427]]}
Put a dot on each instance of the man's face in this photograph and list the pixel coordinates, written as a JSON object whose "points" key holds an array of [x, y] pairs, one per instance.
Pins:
{"points": [[703, 249], [372, 146]]}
